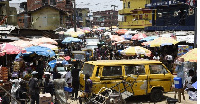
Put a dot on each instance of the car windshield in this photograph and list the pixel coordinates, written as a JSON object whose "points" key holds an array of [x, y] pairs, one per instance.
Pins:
{"points": [[60, 68], [88, 69], [79, 56]]}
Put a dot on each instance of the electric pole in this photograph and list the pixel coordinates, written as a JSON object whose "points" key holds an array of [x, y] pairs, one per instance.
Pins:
{"points": [[74, 15]]}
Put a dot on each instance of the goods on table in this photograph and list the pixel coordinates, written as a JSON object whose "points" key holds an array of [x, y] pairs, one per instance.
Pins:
{"points": [[45, 98], [4, 74]]}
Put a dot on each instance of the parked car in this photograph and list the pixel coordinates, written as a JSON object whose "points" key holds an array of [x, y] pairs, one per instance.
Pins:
{"points": [[61, 68]]}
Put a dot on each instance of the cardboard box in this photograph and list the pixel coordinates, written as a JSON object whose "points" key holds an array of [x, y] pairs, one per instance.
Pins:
{"points": [[45, 98]]}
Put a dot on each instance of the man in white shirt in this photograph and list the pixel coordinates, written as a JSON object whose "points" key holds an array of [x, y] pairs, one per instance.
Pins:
{"points": [[68, 77]]}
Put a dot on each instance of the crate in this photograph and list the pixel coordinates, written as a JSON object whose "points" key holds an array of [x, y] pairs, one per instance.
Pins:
{"points": [[68, 89]]}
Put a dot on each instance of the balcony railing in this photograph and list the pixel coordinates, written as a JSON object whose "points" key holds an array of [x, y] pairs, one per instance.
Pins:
{"points": [[125, 11], [135, 24]]}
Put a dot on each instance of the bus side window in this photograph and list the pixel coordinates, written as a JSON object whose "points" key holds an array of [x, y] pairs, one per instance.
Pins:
{"points": [[97, 72]]}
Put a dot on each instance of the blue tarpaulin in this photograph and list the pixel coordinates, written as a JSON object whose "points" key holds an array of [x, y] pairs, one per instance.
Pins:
{"points": [[52, 63], [70, 40], [44, 51], [149, 38]]}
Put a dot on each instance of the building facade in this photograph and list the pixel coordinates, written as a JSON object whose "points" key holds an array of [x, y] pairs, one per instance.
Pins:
{"points": [[82, 17], [135, 15], [44, 18], [59, 15], [106, 18], [9, 12], [173, 15], [158, 15]]}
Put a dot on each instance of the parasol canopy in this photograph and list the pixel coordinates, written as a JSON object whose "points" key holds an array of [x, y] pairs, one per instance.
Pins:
{"points": [[131, 32], [121, 31], [117, 38], [43, 40], [52, 47], [70, 40], [162, 41], [75, 34], [136, 50], [190, 56], [138, 36], [7, 48], [44, 51], [128, 37], [21, 43], [149, 38]]}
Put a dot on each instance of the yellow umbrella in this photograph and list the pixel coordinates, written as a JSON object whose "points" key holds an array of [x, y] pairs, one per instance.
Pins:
{"points": [[161, 41], [135, 50], [190, 56], [76, 34]]}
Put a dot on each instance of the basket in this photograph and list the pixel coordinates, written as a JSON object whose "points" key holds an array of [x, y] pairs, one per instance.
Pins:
{"points": [[68, 89]]}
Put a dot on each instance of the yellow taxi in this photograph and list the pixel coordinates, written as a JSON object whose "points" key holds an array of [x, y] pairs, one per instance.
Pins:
{"points": [[136, 77]]}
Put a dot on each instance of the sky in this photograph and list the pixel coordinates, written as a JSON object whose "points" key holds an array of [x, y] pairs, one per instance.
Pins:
{"points": [[94, 5]]}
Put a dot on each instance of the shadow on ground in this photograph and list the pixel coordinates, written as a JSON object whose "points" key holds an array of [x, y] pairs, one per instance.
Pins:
{"points": [[144, 99]]}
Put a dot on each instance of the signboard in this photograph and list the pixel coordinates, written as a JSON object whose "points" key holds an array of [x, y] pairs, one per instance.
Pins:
{"points": [[183, 49]]}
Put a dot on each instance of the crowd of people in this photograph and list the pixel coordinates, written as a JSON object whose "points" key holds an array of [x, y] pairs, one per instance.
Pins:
{"points": [[29, 79]]}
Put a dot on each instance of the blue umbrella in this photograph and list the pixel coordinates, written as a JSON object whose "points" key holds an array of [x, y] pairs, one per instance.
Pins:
{"points": [[195, 85], [52, 63], [128, 37], [67, 40], [150, 38], [76, 40], [44, 51], [70, 39]]}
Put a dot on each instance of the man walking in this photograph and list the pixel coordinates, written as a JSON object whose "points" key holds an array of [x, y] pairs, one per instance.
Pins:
{"points": [[75, 80], [34, 88]]}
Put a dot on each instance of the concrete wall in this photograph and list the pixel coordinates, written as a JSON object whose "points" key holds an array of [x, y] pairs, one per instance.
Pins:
{"points": [[46, 19], [13, 16]]}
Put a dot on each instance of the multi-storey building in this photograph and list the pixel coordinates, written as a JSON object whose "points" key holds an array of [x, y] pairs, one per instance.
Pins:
{"points": [[135, 15], [82, 17], [173, 15], [106, 18], [7, 13], [158, 15]]}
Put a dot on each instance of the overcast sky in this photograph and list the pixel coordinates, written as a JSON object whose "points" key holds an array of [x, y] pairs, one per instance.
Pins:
{"points": [[94, 5]]}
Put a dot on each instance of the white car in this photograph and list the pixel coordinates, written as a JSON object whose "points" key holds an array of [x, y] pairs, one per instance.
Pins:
{"points": [[60, 68]]}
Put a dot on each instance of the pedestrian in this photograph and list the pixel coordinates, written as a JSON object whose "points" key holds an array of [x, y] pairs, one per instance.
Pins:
{"points": [[179, 69], [68, 77], [75, 80], [59, 90], [55, 72], [34, 88], [88, 89], [15, 87], [21, 93], [48, 85]]}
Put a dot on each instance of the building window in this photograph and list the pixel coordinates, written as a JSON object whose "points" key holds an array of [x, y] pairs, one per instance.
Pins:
{"points": [[80, 14], [140, 16], [59, 0], [52, 2], [21, 20], [129, 4]]}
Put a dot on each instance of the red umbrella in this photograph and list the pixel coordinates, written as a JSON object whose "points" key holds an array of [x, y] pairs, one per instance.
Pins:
{"points": [[121, 31], [138, 36], [10, 49], [67, 58]]}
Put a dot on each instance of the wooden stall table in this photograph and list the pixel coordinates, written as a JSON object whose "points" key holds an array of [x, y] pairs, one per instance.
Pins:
{"points": [[180, 91]]}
